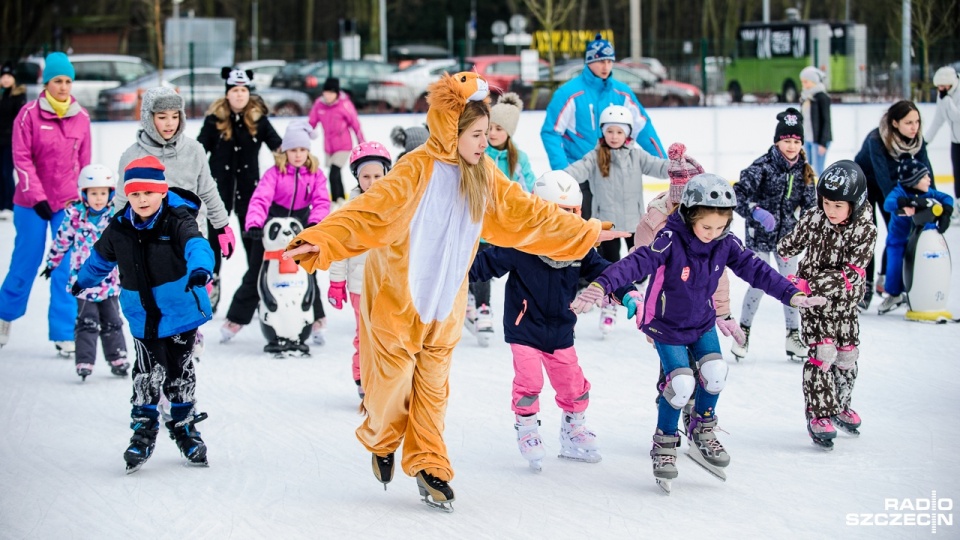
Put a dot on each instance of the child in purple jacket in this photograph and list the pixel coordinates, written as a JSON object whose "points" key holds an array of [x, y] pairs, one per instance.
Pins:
{"points": [[685, 262], [335, 112], [294, 187]]}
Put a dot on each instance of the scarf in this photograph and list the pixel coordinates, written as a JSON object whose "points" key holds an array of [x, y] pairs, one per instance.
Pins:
{"points": [[59, 107], [895, 143], [807, 93]]}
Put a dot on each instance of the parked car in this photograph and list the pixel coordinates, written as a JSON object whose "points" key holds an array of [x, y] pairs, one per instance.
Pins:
{"points": [[94, 73], [354, 77], [120, 103], [650, 64], [263, 70], [499, 70], [406, 89], [406, 55]]}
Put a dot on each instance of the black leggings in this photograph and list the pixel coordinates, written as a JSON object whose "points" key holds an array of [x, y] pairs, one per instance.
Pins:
{"points": [[336, 184], [481, 289], [610, 250]]}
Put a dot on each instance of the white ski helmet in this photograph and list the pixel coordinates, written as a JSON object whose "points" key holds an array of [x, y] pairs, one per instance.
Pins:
{"points": [[619, 115], [559, 187], [706, 190], [96, 175]]}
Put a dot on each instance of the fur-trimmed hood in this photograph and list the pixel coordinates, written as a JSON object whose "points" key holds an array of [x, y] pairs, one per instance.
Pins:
{"points": [[448, 98], [252, 113]]}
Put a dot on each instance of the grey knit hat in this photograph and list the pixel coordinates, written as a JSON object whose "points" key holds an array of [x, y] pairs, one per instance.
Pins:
{"points": [[506, 113], [410, 138]]}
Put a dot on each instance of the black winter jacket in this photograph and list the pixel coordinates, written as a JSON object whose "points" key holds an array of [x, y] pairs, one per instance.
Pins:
{"points": [[11, 101], [820, 117]]}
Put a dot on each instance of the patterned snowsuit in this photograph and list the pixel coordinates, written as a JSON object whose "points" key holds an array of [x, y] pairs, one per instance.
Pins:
{"points": [[833, 266]]}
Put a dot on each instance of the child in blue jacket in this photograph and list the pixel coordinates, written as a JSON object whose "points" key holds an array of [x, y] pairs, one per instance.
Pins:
{"points": [[912, 193], [685, 262], [165, 264], [538, 325]]}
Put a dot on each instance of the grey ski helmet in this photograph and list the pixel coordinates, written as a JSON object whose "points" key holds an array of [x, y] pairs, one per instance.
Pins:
{"points": [[843, 181], [706, 190]]}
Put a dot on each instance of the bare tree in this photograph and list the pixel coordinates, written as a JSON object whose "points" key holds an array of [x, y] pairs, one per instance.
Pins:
{"points": [[932, 20], [551, 14]]}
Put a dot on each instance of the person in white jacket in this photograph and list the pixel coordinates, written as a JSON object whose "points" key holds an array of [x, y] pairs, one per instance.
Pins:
{"points": [[948, 111], [369, 162]]}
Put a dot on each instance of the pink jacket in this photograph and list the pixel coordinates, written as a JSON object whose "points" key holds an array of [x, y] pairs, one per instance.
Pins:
{"points": [[336, 118], [293, 193], [48, 153], [654, 220]]}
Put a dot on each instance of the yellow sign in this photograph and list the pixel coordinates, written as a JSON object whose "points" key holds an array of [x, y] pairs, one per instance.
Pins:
{"points": [[567, 42]]}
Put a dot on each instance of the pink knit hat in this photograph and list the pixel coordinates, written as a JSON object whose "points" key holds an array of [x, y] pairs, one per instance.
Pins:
{"points": [[682, 168]]}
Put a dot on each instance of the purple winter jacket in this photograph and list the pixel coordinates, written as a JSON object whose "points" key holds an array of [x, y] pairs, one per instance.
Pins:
{"points": [[337, 118], [48, 153], [295, 193], [684, 274]]}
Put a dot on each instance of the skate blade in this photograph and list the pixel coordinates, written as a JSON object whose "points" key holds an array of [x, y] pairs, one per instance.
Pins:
{"points": [[846, 429], [796, 359], [446, 507], [196, 464], [823, 444], [134, 468], [665, 485], [582, 456], [536, 465], [698, 458]]}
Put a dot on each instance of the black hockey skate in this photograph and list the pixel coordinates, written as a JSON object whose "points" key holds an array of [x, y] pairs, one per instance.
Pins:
{"points": [[383, 468], [436, 493], [84, 371], [188, 439], [119, 367], [141, 444]]}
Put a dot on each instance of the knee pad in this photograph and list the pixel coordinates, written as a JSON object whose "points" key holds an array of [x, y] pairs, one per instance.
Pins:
{"points": [[713, 372], [679, 387], [847, 357]]}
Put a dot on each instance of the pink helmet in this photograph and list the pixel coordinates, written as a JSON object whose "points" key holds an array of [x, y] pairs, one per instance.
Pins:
{"points": [[369, 151]]}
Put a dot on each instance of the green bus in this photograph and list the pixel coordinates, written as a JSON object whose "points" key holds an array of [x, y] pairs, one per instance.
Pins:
{"points": [[769, 56]]}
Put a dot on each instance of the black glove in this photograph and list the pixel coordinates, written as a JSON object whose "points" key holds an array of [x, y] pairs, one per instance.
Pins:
{"points": [[253, 233], [904, 202], [198, 278], [76, 289], [943, 222], [43, 210], [943, 93], [45, 274]]}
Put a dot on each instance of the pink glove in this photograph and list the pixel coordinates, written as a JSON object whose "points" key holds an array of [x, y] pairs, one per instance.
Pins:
{"points": [[728, 326], [227, 241], [800, 283], [803, 301], [591, 296], [337, 294]]}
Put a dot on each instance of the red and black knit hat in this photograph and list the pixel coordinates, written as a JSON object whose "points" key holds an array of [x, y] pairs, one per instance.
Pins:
{"points": [[145, 174]]}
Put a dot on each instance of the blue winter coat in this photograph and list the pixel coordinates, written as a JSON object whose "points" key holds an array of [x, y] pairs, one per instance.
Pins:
{"points": [[898, 231], [685, 271], [536, 306], [880, 167], [572, 125], [155, 261], [773, 184]]}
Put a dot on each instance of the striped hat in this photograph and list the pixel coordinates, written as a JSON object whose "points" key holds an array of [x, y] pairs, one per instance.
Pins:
{"points": [[144, 174]]}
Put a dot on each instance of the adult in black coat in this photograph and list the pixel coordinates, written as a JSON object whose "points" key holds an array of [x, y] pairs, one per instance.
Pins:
{"points": [[12, 99], [235, 128], [899, 133]]}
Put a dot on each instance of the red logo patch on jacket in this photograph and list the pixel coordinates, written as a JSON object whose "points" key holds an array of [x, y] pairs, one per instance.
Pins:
{"points": [[685, 273]]}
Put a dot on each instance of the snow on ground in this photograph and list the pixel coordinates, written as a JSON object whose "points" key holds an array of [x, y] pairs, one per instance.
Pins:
{"points": [[284, 462]]}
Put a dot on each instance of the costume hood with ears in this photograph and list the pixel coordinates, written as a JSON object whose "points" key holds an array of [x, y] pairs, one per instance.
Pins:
{"points": [[447, 98], [236, 77]]}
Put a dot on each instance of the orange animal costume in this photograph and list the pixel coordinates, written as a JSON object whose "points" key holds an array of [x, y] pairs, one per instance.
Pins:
{"points": [[422, 241]]}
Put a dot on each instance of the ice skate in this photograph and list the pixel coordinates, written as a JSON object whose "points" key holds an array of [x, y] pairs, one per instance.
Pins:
{"points": [[318, 330], [529, 441], [360, 391], [84, 371], [4, 332], [664, 456], [688, 413], [608, 317], [119, 367], [822, 432], [797, 350], [436, 493], [470, 319], [576, 441], [705, 449], [849, 421], [65, 349], [188, 439], [740, 351], [383, 468], [229, 330], [881, 282], [141, 443], [484, 325], [891, 303]]}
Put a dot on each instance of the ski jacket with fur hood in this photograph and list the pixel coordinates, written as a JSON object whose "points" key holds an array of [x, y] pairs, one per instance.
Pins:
{"points": [[184, 158]]}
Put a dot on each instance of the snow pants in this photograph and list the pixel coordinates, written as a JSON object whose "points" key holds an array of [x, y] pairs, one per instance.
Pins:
{"points": [[827, 393], [164, 367], [100, 319], [893, 283], [563, 369], [676, 357], [751, 300], [29, 247]]}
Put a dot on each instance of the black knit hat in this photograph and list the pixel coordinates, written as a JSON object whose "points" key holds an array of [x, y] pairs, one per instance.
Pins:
{"points": [[910, 171], [7, 68], [331, 85], [789, 125]]}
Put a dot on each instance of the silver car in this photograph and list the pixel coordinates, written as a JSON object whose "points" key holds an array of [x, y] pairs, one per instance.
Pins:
{"points": [[406, 89]]}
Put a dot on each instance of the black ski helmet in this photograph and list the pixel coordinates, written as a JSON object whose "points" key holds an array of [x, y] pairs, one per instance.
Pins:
{"points": [[843, 181]]}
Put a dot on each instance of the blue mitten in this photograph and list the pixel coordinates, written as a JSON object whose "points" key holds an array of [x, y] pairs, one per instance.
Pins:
{"points": [[766, 219]]}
